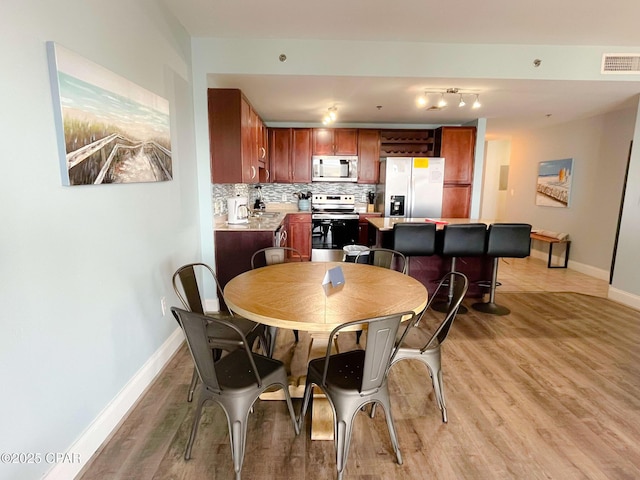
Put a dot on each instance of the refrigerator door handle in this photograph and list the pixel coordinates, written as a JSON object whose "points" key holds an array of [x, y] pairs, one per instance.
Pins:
{"points": [[411, 196]]}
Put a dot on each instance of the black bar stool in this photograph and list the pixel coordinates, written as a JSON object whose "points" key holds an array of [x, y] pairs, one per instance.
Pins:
{"points": [[460, 240], [511, 240], [414, 240]]}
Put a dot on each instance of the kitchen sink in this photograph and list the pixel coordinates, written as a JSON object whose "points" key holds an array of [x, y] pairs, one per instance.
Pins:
{"points": [[265, 214]]}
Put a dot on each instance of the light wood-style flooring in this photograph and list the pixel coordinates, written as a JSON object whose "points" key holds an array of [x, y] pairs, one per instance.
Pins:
{"points": [[550, 391]]}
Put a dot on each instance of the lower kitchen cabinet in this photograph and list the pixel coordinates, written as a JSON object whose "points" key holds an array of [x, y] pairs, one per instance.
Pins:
{"points": [[234, 251], [363, 229], [298, 227]]}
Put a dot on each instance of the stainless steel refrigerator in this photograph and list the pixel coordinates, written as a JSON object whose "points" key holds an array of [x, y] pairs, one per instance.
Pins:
{"points": [[411, 187]]}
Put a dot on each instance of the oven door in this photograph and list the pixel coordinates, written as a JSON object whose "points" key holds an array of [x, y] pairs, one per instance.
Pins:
{"points": [[329, 236]]}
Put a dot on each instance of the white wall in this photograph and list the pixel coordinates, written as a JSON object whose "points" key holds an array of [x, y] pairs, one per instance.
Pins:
{"points": [[626, 280], [498, 153], [83, 268], [599, 146]]}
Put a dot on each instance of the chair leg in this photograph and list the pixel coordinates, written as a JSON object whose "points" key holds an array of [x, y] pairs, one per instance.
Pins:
{"points": [[392, 432], [192, 385], [287, 396], [342, 441], [358, 335], [438, 388], [194, 426], [271, 334], [305, 404], [238, 434], [491, 306], [296, 334], [443, 306], [433, 361]]}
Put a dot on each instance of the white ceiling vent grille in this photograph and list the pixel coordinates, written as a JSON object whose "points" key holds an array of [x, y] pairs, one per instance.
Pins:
{"points": [[621, 63]]}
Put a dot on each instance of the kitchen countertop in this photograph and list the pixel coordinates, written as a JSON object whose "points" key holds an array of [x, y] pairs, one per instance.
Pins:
{"points": [[274, 219], [386, 223], [267, 223]]}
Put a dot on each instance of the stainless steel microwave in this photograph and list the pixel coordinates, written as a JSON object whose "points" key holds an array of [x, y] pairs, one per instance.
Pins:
{"points": [[334, 168]]}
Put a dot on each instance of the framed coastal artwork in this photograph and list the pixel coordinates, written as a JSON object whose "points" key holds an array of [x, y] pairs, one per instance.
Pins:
{"points": [[553, 187], [109, 129]]}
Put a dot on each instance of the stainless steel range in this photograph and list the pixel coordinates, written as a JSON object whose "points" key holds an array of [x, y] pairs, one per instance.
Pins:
{"points": [[334, 225]]}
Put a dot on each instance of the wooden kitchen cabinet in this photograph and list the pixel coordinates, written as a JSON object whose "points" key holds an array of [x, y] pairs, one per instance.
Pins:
{"points": [[235, 137], [368, 156], [363, 229], [234, 250], [298, 227], [290, 155], [335, 141], [456, 201], [457, 146]]}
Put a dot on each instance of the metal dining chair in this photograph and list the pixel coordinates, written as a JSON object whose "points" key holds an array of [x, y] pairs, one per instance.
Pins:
{"points": [[187, 283], [273, 255], [430, 354], [352, 380], [383, 257], [235, 381], [270, 256]]}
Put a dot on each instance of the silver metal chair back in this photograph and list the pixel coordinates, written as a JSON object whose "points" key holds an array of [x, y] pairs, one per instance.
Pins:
{"points": [[187, 284], [354, 379], [274, 255], [235, 381], [383, 257]]}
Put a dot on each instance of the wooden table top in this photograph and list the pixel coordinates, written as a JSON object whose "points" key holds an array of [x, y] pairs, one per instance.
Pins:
{"points": [[291, 295]]}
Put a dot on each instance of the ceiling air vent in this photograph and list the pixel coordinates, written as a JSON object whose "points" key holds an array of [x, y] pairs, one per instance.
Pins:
{"points": [[621, 63]]}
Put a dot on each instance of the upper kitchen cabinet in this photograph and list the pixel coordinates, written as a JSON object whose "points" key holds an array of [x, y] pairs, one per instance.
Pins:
{"points": [[368, 156], [457, 146], [290, 155], [335, 141], [236, 137]]}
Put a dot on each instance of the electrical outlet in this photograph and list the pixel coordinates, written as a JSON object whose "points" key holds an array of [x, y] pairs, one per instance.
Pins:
{"points": [[163, 305], [284, 197]]}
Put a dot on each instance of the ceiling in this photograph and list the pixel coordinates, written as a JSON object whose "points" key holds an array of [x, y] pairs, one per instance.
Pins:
{"points": [[508, 105]]}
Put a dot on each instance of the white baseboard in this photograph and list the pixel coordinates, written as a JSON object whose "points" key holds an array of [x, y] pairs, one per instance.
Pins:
{"points": [[592, 271], [102, 426], [623, 297]]}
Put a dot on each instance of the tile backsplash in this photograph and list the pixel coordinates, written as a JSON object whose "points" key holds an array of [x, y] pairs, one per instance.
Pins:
{"points": [[283, 192]]}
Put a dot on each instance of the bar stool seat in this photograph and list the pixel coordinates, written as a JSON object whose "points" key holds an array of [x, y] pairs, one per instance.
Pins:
{"points": [[414, 240], [504, 240], [460, 240]]}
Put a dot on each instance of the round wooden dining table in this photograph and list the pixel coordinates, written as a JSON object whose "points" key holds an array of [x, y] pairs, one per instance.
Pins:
{"points": [[292, 295]]}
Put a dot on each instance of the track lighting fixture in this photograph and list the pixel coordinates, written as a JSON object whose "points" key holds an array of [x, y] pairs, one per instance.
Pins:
{"points": [[330, 116], [423, 100]]}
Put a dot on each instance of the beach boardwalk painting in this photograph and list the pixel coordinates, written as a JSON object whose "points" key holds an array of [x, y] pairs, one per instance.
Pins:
{"points": [[109, 129], [554, 183]]}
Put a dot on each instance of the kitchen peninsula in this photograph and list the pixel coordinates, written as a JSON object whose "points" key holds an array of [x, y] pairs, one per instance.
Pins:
{"points": [[429, 270]]}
